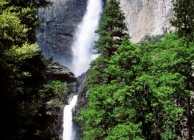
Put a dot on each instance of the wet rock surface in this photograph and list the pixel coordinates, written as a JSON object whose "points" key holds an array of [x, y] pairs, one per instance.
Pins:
{"points": [[55, 35]]}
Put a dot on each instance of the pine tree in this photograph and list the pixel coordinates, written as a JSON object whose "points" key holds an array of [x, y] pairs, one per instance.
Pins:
{"points": [[111, 30], [97, 116], [183, 19], [139, 91]]}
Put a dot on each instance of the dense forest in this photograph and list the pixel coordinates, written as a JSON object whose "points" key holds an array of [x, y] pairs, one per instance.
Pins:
{"points": [[141, 91], [24, 89]]}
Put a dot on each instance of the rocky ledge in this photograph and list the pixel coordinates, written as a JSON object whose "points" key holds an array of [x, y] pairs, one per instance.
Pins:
{"points": [[59, 72]]}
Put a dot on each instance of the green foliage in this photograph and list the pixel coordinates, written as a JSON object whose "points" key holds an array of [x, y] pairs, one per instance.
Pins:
{"points": [[146, 98], [183, 17], [52, 94], [24, 97], [59, 89], [99, 115], [11, 29], [111, 30], [27, 12], [141, 91]]}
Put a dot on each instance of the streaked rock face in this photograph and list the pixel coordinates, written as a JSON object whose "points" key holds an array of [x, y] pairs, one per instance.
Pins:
{"points": [[55, 36], [147, 17]]}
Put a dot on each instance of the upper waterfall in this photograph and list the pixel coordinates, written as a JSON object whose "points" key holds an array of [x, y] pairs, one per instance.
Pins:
{"points": [[85, 36]]}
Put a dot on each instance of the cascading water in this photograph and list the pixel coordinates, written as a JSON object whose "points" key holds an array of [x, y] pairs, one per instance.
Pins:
{"points": [[85, 37], [82, 56], [68, 133]]}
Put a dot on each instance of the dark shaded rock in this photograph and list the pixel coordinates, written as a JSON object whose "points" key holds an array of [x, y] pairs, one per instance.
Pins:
{"points": [[61, 73], [58, 72], [55, 35], [82, 103], [57, 110]]}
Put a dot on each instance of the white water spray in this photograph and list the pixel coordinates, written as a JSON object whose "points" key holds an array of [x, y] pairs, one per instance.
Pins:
{"points": [[85, 37], [82, 56], [68, 132]]}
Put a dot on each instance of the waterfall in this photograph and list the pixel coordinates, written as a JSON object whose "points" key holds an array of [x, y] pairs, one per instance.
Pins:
{"points": [[82, 55], [85, 36], [68, 132]]}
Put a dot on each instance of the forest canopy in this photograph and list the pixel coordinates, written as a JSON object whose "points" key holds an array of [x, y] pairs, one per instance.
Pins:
{"points": [[141, 91], [138, 91]]}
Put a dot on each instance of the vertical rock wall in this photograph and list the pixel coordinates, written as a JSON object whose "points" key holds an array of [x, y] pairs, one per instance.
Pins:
{"points": [[55, 35], [147, 17]]}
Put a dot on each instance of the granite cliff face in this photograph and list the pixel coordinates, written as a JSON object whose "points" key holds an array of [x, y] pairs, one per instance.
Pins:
{"points": [[147, 17], [55, 36]]}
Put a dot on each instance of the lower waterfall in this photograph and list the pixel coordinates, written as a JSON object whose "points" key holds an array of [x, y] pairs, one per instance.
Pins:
{"points": [[68, 132], [82, 56]]}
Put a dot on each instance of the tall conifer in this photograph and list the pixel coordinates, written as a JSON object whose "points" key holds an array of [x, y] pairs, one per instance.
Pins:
{"points": [[183, 19], [111, 30], [98, 116]]}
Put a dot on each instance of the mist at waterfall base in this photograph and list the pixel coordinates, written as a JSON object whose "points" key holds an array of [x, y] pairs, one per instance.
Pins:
{"points": [[84, 38]]}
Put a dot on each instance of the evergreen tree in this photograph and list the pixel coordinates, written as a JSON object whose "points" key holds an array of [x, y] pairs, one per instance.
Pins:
{"points": [[183, 19], [146, 99], [111, 31], [148, 86], [141, 91]]}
